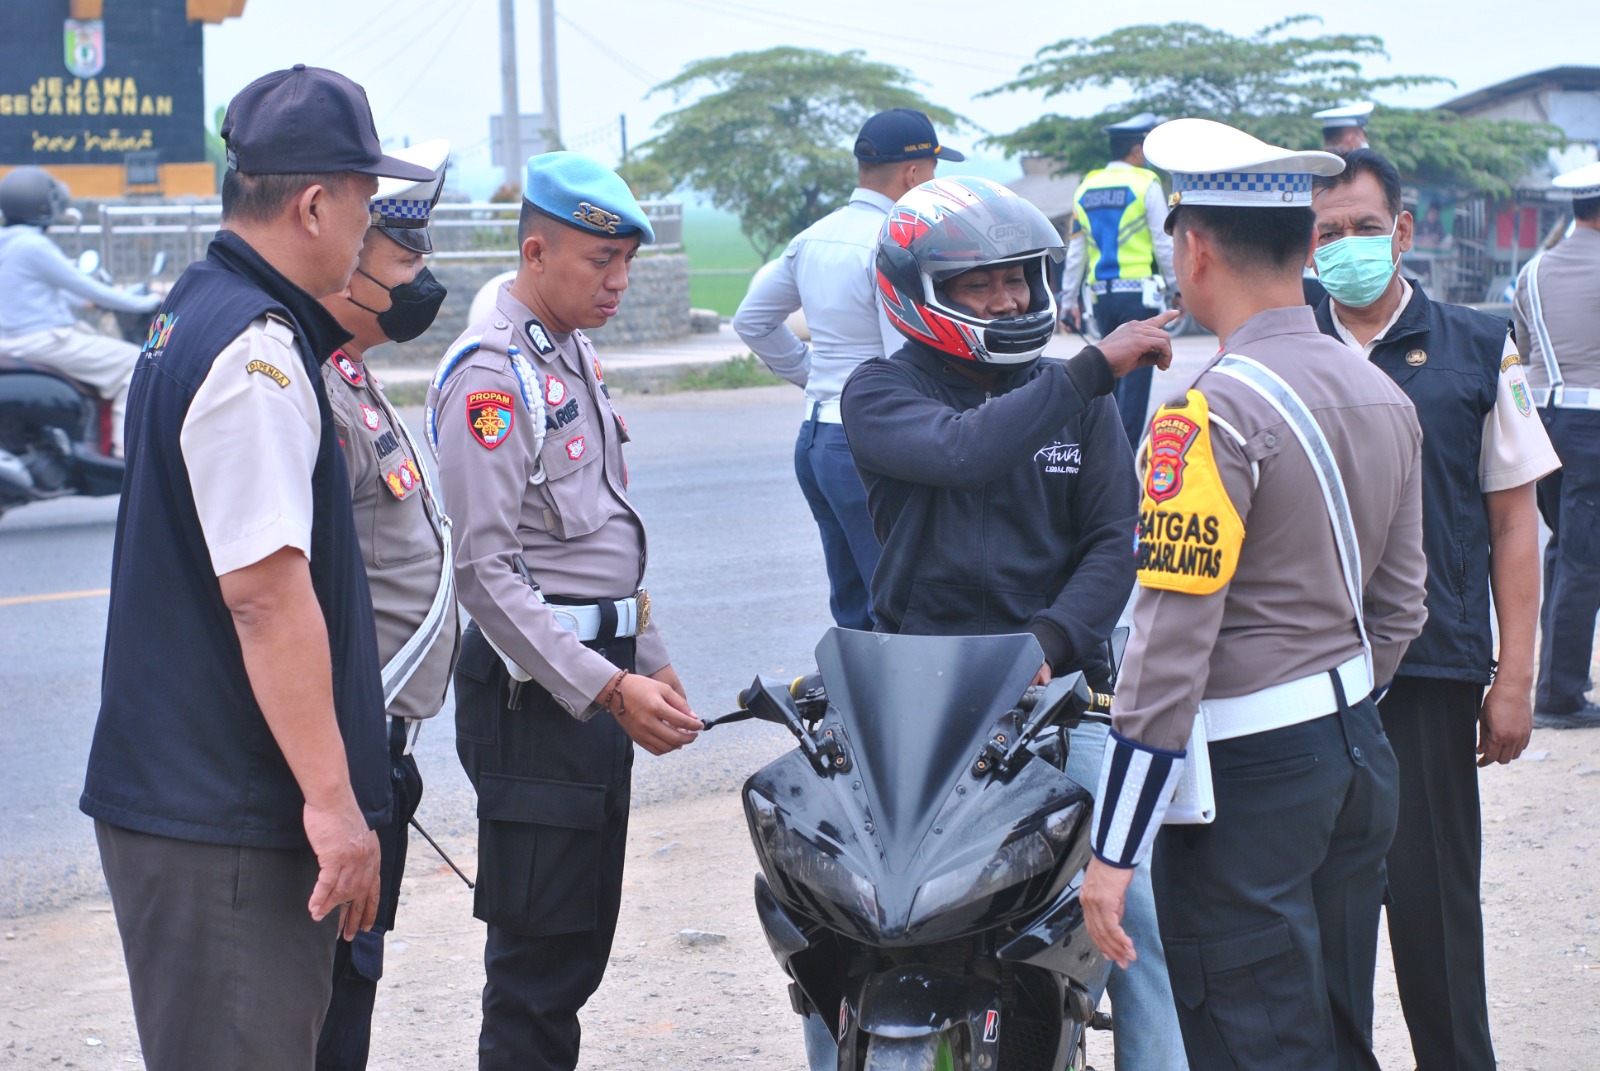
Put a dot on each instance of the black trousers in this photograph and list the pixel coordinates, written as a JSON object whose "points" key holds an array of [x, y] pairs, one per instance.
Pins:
{"points": [[1569, 501], [1132, 393], [346, 1038], [1435, 867], [553, 797], [1269, 915]]}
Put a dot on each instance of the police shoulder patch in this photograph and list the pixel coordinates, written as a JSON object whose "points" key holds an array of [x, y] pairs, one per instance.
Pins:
{"points": [[1189, 531], [490, 414], [270, 371]]}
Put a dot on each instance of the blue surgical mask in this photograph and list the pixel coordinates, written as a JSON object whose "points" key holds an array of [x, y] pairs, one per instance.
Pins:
{"points": [[1356, 271]]}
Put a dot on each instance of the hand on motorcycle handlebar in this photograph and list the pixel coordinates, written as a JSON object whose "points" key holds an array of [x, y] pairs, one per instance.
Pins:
{"points": [[1043, 676], [1104, 896]]}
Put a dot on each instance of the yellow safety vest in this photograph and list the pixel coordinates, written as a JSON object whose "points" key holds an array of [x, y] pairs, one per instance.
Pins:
{"points": [[1109, 210]]}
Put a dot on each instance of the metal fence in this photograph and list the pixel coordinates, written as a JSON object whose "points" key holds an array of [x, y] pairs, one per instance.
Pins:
{"points": [[128, 237]]}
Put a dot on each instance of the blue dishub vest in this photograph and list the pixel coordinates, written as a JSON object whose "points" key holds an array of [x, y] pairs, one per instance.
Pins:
{"points": [[181, 748], [1453, 389]]}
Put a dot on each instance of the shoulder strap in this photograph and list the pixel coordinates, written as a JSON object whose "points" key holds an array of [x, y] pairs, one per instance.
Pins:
{"points": [[1547, 352], [1289, 405]]}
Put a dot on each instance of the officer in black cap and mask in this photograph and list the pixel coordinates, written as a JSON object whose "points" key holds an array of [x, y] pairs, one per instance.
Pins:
{"points": [[405, 544]]}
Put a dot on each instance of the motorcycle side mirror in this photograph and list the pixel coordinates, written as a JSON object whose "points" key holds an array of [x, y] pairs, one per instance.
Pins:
{"points": [[159, 264], [89, 261]]}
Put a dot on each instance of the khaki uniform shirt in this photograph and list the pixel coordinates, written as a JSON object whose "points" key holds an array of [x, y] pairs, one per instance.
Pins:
{"points": [[574, 528], [1285, 614], [1569, 296], [401, 531]]}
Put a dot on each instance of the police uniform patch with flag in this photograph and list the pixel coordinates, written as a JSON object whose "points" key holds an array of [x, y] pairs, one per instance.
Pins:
{"points": [[1189, 532], [489, 416]]}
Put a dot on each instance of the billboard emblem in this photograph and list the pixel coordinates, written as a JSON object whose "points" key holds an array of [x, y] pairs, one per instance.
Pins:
{"points": [[85, 47]]}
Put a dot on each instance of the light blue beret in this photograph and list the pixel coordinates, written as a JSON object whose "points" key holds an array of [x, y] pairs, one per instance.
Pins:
{"points": [[585, 194]]}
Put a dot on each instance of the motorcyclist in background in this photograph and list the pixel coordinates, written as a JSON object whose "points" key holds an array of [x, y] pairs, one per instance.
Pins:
{"points": [[40, 286]]}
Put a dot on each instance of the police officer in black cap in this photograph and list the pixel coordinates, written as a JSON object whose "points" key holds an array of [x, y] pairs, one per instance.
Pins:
{"points": [[1118, 232], [235, 777]]}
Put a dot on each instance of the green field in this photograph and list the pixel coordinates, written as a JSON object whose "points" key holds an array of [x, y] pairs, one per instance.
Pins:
{"points": [[721, 260]]}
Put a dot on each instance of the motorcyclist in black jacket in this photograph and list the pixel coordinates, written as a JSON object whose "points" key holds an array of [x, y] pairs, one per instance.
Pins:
{"points": [[1001, 484]]}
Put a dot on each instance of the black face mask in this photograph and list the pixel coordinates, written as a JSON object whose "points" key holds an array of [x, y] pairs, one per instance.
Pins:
{"points": [[412, 306]]}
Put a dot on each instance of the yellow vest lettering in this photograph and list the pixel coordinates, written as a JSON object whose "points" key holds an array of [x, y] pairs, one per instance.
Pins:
{"points": [[1189, 532], [1110, 210]]}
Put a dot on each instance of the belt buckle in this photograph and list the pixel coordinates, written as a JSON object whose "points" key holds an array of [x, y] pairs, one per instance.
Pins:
{"points": [[642, 607]]}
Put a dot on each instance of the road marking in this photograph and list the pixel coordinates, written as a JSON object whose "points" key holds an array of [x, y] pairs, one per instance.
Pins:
{"points": [[54, 596]]}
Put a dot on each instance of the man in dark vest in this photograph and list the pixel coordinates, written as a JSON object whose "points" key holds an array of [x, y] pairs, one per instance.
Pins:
{"points": [[1483, 448], [239, 762]]}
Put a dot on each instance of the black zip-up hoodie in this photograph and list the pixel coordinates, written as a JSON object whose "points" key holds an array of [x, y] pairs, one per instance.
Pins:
{"points": [[1006, 509]]}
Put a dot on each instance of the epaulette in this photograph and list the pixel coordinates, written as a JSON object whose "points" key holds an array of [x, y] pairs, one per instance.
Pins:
{"points": [[495, 338]]}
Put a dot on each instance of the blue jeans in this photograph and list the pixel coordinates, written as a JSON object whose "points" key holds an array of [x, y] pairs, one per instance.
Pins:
{"points": [[1132, 392], [1146, 1023], [838, 502], [1569, 500]]}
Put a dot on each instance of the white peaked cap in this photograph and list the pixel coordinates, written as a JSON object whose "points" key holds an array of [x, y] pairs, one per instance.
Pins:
{"points": [[1582, 183], [1212, 163], [1345, 115]]}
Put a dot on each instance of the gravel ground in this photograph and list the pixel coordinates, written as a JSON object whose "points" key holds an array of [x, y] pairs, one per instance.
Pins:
{"points": [[64, 1001]]}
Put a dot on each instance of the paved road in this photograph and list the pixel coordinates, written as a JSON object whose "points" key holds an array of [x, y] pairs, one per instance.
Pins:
{"points": [[736, 577]]}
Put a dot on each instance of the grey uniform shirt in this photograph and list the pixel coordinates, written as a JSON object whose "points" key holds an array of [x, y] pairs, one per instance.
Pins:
{"points": [[401, 531], [1569, 297], [575, 530], [1286, 614]]}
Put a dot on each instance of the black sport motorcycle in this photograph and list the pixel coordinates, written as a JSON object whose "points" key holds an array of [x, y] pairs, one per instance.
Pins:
{"points": [[55, 432], [922, 852]]}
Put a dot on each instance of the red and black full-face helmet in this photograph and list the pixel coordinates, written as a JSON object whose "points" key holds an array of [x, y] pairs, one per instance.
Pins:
{"points": [[948, 226]]}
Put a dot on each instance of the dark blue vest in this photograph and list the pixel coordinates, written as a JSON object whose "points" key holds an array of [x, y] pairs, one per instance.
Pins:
{"points": [[181, 748], [1453, 390]]}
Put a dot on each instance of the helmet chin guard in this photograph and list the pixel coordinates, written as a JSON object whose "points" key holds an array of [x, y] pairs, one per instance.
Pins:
{"points": [[950, 226]]}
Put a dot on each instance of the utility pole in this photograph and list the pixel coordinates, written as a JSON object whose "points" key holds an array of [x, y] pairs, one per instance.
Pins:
{"points": [[622, 125], [510, 109], [547, 70]]}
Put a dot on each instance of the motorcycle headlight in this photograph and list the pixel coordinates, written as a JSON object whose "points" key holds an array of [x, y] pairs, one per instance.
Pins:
{"points": [[1007, 863], [810, 862]]}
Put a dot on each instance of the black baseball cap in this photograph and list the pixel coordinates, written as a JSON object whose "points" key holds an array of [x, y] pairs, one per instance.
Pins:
{"points": [[900, 134], [307, 120]]}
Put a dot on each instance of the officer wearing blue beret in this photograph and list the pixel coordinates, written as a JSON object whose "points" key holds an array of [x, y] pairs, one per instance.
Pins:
{"points": [[561, 671]]}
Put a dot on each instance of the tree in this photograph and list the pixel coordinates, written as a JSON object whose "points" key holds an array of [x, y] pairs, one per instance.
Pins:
{"points": [[1267, 83], [771, 141]]}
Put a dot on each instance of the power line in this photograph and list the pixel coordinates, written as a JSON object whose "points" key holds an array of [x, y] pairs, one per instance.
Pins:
{"points": [[466, 7], [363, 35], [627, 65], [779, 20], [430, 27]]}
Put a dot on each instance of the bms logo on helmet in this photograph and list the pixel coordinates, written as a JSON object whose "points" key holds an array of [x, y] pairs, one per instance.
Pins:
{"points": [[951, 226]]}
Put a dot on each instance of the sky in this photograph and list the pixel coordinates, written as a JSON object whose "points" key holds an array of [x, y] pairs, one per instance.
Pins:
{"points": [[431, 68]]}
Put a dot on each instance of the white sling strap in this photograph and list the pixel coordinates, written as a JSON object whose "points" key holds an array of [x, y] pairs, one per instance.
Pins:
{"points": [[1289, 405], [1547, 352], [399, 669]]}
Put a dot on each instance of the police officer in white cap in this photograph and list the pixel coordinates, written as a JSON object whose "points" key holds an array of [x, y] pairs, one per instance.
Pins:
{"points": [[1345, 128], [405, 545], [1558, 332], [1118, 236], [1274, 593]]}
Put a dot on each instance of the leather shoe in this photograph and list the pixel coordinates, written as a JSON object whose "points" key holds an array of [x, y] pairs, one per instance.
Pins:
{"points": [[1585, 717]]}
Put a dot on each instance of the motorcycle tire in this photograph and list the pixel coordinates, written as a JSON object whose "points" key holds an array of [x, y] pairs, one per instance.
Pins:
{"points": [[930, 1052]]}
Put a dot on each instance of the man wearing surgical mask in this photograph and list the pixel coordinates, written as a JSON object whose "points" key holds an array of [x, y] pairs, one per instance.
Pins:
{"points": [[1483, 448], [405, 544]]}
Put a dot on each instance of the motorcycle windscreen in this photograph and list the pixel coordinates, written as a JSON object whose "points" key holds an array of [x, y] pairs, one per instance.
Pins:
{"points": [[916, 711]]}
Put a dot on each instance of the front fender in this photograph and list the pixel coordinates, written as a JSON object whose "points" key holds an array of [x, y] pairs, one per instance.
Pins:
{"points": [[916, 1000]]}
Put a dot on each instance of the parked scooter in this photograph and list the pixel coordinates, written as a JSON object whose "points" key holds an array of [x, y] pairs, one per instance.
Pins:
{"points": [[55, 432], [922, 852]]}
